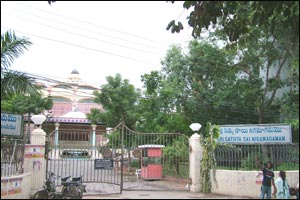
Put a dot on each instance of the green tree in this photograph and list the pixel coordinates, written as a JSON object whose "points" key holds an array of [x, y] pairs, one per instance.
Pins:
{"points": [[190, 87], [152, 116], [118, 98], [160, 108], [237, 18], [33, 103], [198, 84], [265, 35], [12, 82], [94, 116]]}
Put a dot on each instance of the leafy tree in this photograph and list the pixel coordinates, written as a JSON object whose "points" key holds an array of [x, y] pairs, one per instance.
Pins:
{"points": [[197, 84], [150, 106], [190, 87], [13, 83], [160, 108], [265, 36], [211, 84], [94, 116], [237, 18], [33, 103], [119, 99]]}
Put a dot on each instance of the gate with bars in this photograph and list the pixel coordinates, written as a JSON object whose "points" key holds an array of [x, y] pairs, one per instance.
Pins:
{"points": [[127, 160]]}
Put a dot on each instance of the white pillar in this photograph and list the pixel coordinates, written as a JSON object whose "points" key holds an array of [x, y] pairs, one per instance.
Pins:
{"points": [[35, 159], [56, 134], [196, 152], [94, 135], [93, 141]]}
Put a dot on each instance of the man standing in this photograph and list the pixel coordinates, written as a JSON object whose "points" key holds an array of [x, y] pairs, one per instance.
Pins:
{"points": [[268, 179]]}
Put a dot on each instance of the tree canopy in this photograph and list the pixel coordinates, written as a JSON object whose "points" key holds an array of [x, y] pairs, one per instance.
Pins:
{"points": [[237, 18], [119, 99]]}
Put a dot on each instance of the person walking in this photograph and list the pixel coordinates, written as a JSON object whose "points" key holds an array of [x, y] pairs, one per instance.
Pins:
{"points": [[268, 179], [282, 186]]}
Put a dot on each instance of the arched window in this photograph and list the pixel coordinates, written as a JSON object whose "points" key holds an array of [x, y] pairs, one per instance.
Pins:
{"points": [[85, 87], [64, 86], [61, 99], [87, 101]]}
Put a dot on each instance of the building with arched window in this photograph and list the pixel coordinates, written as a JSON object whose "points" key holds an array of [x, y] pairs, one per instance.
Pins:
{"points": [[72, 95], [72, 100]]}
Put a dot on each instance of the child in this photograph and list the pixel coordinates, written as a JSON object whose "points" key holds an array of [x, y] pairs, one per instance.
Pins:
{"points": [[282, 186]]}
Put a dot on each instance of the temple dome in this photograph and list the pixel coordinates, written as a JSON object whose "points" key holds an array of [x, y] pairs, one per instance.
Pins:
{"points": [[74, 77], [74, 72]]}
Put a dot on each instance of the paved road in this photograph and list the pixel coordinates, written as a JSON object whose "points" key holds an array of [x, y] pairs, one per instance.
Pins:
{"points": [[161, 195]]}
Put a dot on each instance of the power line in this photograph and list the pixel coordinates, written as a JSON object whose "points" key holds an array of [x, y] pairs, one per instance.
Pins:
{"points": [[87, 22], [62, 15], [85, 36], [80, 46], [130, 41], [211, 60]]}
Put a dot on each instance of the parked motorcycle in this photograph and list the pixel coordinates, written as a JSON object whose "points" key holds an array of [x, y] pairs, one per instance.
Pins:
{"points": [[73, 188], [48, 191], [70, 189]]}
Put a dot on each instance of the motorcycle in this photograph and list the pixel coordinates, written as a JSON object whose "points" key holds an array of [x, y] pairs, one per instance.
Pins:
{"points": [[70, 189], [73, 188]]}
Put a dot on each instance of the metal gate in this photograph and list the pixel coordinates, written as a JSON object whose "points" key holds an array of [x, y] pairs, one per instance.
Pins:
{"points": [[125, 160]]}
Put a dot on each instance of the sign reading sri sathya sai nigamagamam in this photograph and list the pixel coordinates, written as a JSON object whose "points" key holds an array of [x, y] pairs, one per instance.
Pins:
{"points": [[255, 134], [11, 124]]}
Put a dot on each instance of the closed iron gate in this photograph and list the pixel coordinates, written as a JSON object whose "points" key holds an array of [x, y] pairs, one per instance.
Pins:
{"points": [[125, 160]]}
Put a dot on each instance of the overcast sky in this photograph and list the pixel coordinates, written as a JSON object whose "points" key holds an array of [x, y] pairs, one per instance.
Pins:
{"points": [[98, 38]]}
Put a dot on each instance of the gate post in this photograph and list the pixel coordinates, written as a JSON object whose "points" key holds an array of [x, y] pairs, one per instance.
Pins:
{"points": [[34, 161], [56, 134], [94, 141], [196, 152]]}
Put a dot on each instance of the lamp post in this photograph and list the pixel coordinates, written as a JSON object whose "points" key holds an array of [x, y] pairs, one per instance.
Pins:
{"points": [[38, 119], [38, 131], [195, 158], [195, 127]]}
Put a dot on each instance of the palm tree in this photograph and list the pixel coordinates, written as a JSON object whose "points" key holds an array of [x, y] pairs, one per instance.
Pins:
{"points": [[33, 103], [13, 82]]}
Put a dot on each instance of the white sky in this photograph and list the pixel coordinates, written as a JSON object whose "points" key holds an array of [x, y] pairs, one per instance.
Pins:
{"points": [[114, 30]]}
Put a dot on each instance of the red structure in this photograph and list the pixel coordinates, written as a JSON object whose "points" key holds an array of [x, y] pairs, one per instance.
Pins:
{"points": [[151, 162]]}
